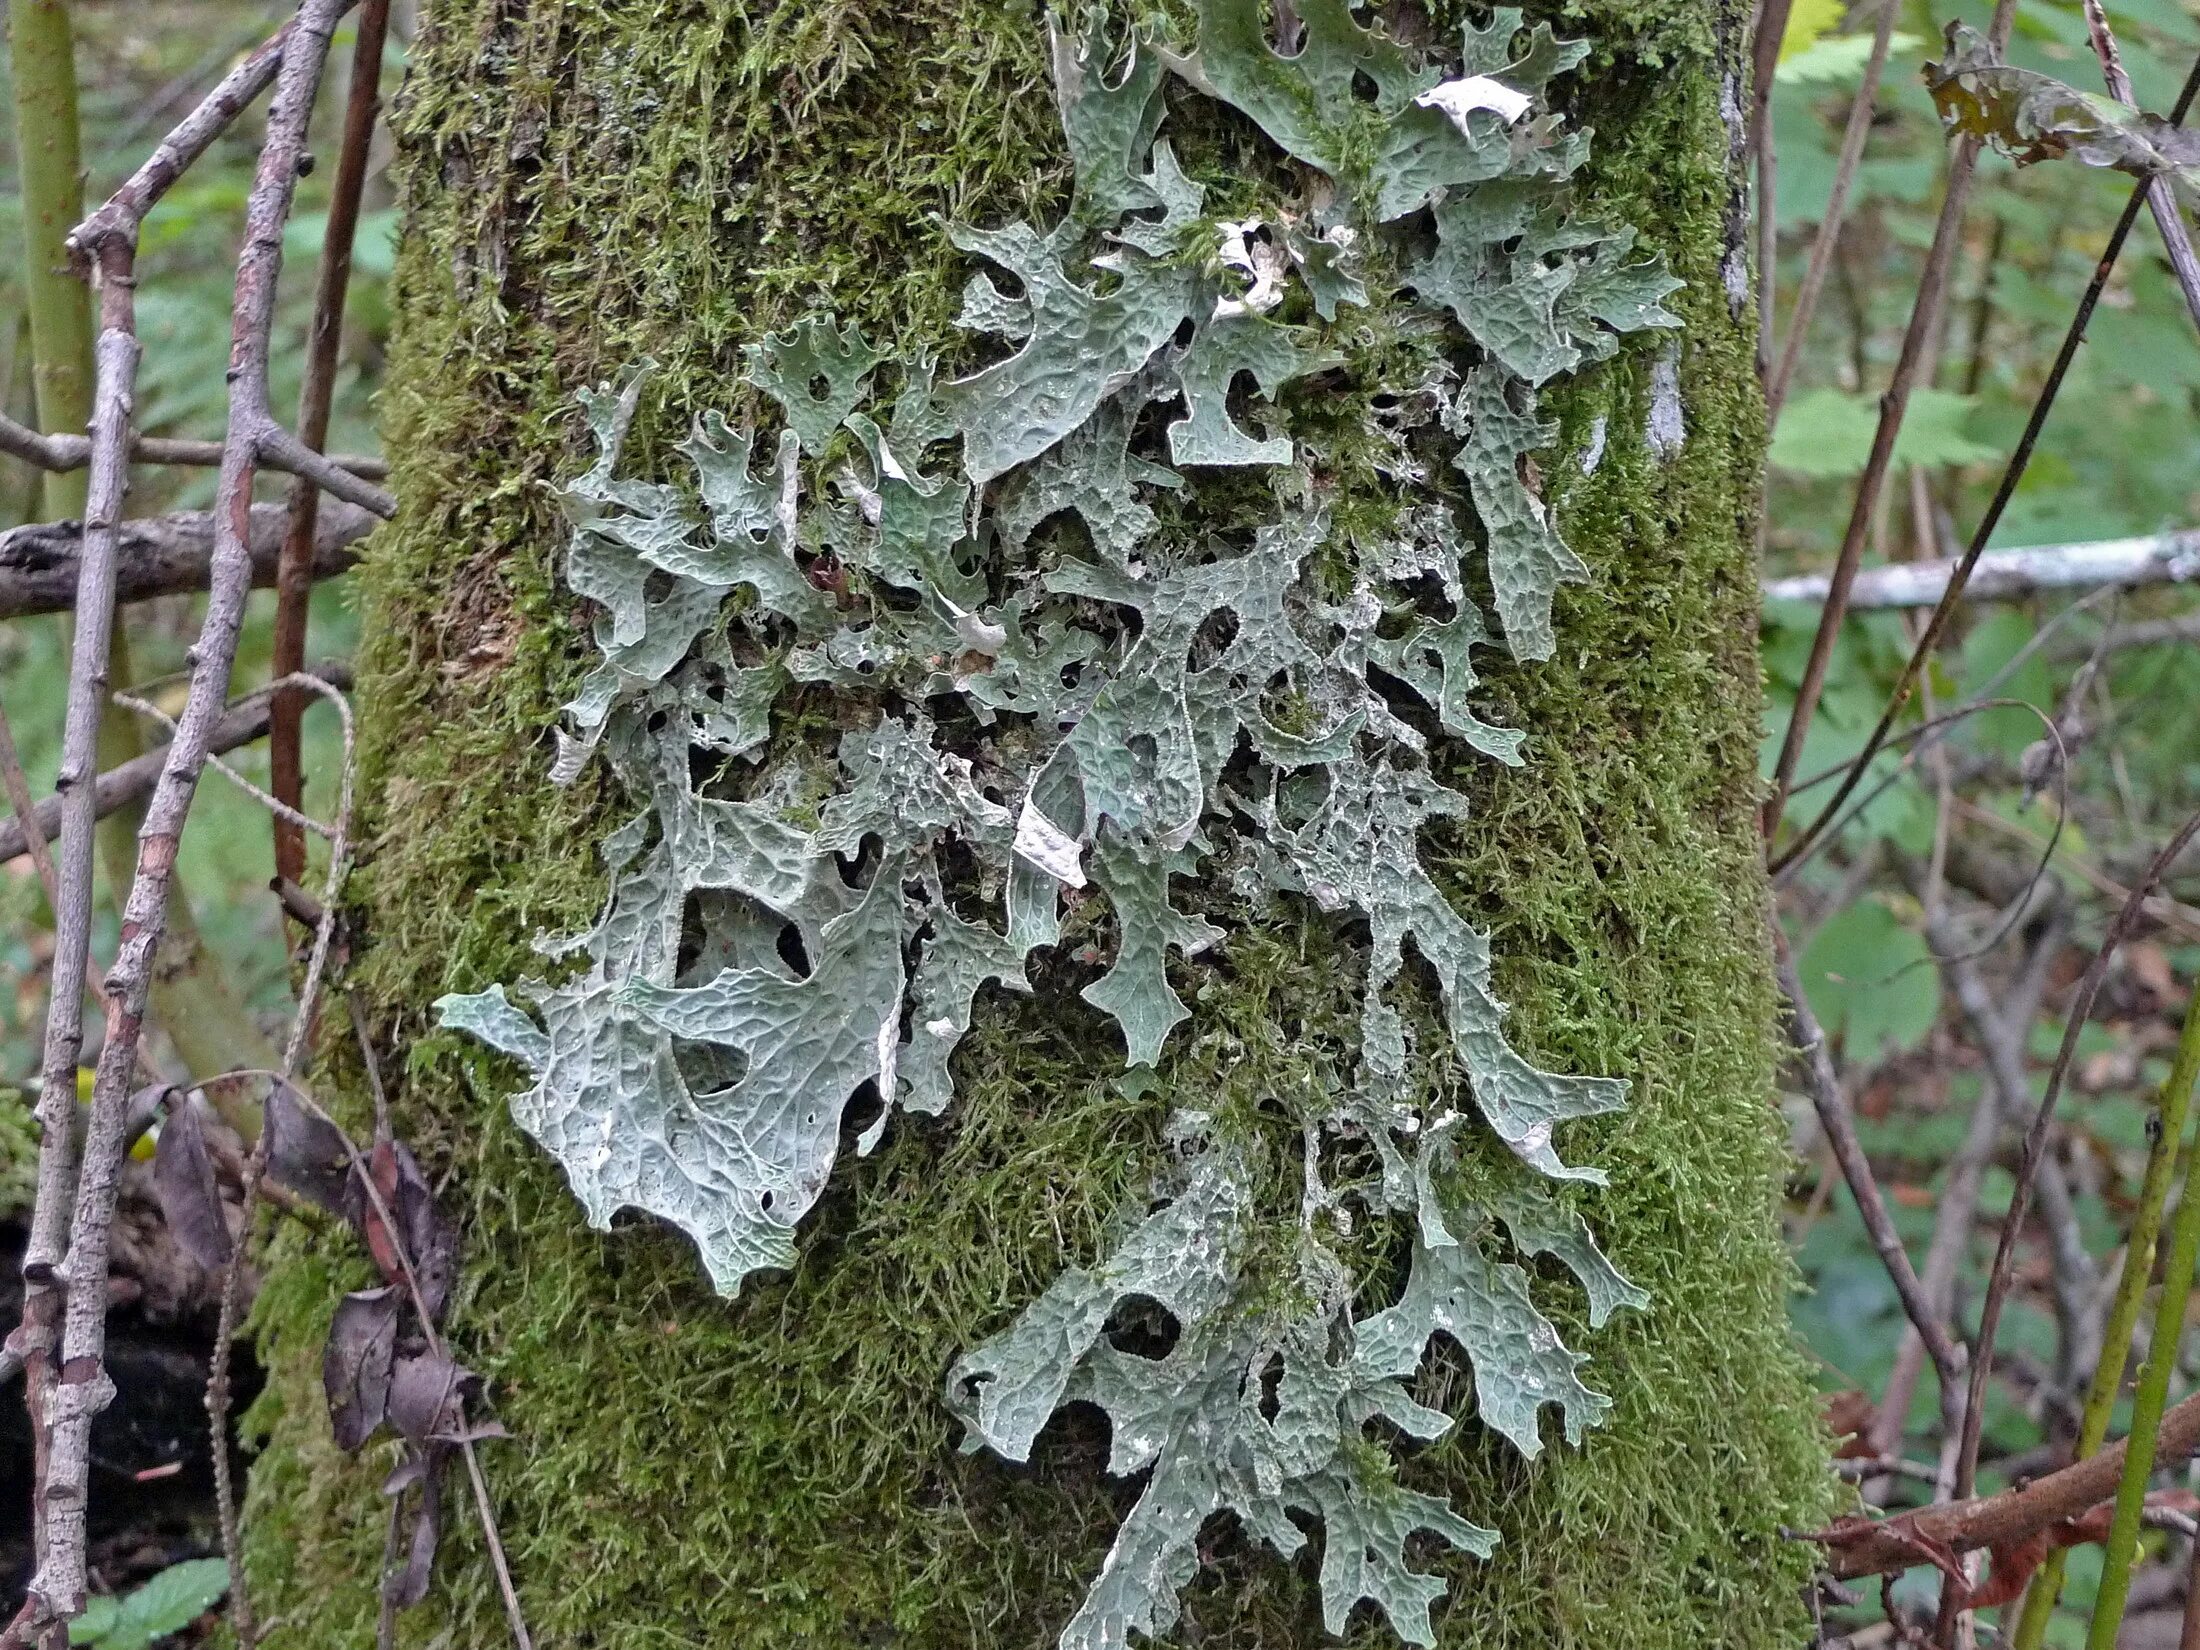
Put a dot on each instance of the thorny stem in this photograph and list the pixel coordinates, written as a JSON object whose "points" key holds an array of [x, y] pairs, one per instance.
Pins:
{"points": [[2012, 473], [2167, 1127], [1828, 234], [1917, 345], [294, 567], [82, 1388]]}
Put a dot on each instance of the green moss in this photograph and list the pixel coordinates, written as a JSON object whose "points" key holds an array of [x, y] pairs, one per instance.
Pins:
{"points": [[589, 183]]}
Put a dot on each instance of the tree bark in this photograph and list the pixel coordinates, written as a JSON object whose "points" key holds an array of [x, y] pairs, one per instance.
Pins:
{"points": [[596, 181]]}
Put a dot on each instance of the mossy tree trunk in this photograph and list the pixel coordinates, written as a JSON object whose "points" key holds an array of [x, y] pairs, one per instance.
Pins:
{"points": [[589, 182]]}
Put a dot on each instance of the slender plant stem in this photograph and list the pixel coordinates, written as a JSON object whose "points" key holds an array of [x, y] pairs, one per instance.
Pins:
{"points": [[2172, 1102], [1828, 234], [42, 49], [294, 1048], [72, 452], [2012, 473], [2035, 1142], [2152, 1396], [1919, 341], [294, 568], [2161, 198], [1840, 1131]]}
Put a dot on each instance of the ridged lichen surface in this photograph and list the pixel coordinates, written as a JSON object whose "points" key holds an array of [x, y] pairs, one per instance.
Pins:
{"points": [[593, 186]]}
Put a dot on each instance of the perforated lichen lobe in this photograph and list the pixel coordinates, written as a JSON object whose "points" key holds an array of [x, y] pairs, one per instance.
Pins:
{"points": [[1068, 661]]}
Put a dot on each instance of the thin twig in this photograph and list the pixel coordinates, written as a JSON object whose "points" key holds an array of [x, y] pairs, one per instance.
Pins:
{"points": [[300, 821], [132, 781], [1827, 236], [2169, 217], [1965, 1179], [2012, 473], [294, 1047], [58, 454], [1918, 341], [2035, 1140], [294, 574], [82, 1388], [1840, 1131]]}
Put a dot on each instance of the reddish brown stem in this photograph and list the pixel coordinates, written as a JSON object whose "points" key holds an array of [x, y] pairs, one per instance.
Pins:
{"points": [[294, 568], [1867, 1548], [2012, 473], [1917, 347]]}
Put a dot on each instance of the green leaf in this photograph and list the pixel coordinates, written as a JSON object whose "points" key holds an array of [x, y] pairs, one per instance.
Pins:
{"points": [[165, 1604], [1809, 21], [1871, 981], [1828, 432], [1838, 60]]}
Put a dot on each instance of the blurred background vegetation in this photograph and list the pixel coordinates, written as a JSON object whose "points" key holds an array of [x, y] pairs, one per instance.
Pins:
{"points": [[1948, 872]]}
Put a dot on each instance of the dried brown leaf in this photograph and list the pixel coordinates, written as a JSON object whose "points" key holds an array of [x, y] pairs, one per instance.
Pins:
{"points": [[357, 1364], [183, 1178]]}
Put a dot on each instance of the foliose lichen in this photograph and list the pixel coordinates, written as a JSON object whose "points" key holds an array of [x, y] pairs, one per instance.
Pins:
{"points": [[1067, 658]]}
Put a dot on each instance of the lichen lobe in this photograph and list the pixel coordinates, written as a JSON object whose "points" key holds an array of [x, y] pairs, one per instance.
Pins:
{"points": [[1061, 668]]}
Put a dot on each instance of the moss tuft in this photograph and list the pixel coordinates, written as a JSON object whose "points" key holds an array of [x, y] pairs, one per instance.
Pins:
{"points": [[593, 181]]}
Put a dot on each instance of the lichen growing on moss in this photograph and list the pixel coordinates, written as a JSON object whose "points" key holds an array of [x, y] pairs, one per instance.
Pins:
{"points": [[779, 1471]]}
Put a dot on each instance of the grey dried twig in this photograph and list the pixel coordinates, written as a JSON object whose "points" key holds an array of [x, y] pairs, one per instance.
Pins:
{"points": [[132, 781], [160, 556], [1840, 1131], [69, 1392]]}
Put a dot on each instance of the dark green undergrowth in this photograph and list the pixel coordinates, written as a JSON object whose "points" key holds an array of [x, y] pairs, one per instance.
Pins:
{"points": [[590, 183]]}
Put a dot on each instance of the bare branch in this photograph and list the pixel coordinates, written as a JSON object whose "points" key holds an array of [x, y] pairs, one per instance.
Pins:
{"points": [[2012, 575], [2012, 473], [277, 449], [295, 575], [133, 781], [57, 453], [82, 1388], [160, 555], [120, 216], [2169, 218], [1866, 1547], [1917, 344], [1840, 1130]]}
